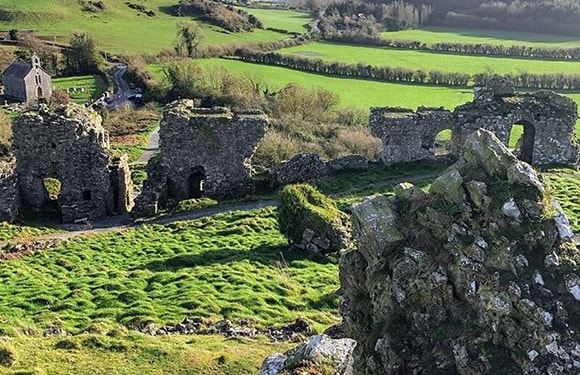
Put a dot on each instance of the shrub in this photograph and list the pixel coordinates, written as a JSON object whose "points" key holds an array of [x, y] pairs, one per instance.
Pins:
{"points": [[303, 207]]}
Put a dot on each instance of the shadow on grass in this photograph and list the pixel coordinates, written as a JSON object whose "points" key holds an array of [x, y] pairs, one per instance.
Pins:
{"points": [[267, 255]]}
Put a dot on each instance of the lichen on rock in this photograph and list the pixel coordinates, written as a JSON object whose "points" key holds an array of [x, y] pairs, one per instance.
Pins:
{"points": [[477, 276]]}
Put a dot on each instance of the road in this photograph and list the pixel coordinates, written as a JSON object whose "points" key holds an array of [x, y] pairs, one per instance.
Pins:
{"points": [[152, 147], [123, 91]]}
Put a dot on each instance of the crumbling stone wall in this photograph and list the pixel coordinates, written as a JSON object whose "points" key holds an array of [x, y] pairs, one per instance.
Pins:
{"points": [[548, 120], [71, 146], [407, 135], [9, 197], [479, 275], [203, 152]]}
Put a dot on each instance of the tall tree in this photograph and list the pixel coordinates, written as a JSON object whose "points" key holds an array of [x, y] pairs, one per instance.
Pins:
{"points": [[189, 36], [82, 56]]}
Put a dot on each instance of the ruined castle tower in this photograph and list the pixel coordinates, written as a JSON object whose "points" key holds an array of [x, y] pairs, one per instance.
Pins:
{"points": [[64, 166], [203, 152]]}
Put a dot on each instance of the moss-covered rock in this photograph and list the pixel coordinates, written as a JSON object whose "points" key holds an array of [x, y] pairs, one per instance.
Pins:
{"points": [[311, 221], [479, 276]]}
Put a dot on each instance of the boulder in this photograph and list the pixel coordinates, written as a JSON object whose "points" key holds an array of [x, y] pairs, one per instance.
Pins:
{"points": [[321, 351]]}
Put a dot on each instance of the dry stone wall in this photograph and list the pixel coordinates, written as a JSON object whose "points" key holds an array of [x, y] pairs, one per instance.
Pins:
{"points": [[203, 152], [548, 121], [69, 145]]}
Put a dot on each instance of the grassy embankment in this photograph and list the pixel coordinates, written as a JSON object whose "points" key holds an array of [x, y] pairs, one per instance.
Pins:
{"points": [[118, 29]]}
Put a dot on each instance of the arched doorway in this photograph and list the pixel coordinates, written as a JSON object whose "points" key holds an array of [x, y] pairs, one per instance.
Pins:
{"points": [[39, 93], [521, 140], [195, 182], [442, 144]]}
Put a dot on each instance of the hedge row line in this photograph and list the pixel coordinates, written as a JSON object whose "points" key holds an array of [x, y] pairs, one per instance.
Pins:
{"points": [[401, 74]]}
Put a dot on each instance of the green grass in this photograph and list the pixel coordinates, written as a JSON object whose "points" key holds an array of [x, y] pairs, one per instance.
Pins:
{"points": [[139, 354], [14, 231], [92, 85], [426, 60], [432, 35], [118, 29], [232, 266], [566, 189], [281, 19], [352, 92]]}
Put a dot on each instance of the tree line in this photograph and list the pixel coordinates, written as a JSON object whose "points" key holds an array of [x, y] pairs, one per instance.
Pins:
{"points": [[543, 53], [556, 81], [225, 16]]}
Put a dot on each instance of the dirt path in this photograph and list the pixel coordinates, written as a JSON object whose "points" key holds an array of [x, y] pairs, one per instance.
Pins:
{"points": [[121, 222]]}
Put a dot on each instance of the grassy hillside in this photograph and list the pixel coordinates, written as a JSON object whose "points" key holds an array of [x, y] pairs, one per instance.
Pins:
{"points": [[353, 54], [432, 35], [118, 29]]}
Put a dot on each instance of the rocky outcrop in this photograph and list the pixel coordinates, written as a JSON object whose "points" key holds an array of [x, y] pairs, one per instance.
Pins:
{"points": [[311, 221], [477, 276], [320, 352], [203, 152]]}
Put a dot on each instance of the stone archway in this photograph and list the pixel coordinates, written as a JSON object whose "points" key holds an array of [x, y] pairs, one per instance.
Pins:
{"points": [[442, 144], [522, 139]]}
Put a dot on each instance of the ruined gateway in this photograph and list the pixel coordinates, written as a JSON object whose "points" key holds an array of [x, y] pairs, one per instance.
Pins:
{"points": [[548, 121], [69, 145], [203, 152]]}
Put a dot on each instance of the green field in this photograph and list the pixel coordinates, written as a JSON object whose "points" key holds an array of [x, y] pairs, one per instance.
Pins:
{"points": [[281, 19], [432, 35], [86, 87], [426, 60], [118, 29], [352, 92], [233, 266]]}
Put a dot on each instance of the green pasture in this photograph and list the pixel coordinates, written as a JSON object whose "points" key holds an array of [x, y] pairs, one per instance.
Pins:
{"points": [[232, 266], [431, 35], [281, 19], [118, 29], [353, 92], [85, 87], [426, 60]]}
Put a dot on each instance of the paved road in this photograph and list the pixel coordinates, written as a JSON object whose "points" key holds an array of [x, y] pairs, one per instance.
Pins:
{"points": [[152, 147], [123, 91]]}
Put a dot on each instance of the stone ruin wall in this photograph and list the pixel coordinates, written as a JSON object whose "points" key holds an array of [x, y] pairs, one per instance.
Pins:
{"points": [[203, 152], [69, 145], [9, 197], [548, 121]]}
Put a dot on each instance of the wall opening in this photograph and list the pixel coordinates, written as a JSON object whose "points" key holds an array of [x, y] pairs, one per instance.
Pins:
{"points": [[195, 182], [521, 140], [87, 195], [50, 207], [52, 187], [442, 144], [39, 93]]}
